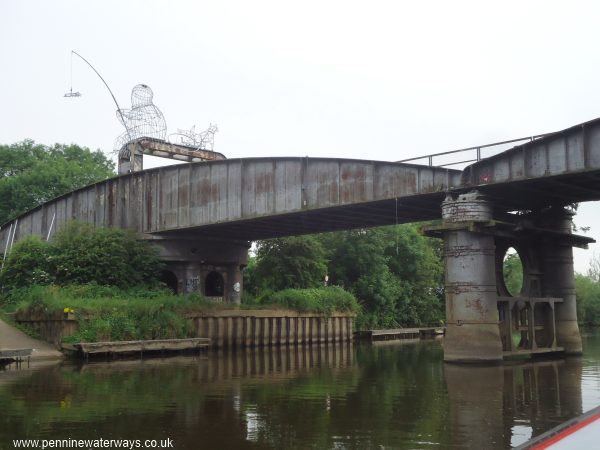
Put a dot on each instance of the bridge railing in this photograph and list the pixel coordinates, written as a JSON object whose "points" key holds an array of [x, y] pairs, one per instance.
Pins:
{"points": [[467, 155]]}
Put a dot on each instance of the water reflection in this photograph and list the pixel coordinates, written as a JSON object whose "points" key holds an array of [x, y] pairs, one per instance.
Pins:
{"points": [[511, 403], [332, 396], [222, 399]]}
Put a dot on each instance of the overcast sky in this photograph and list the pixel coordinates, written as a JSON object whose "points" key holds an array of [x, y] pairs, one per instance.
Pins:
{"points": [[382, 80]]}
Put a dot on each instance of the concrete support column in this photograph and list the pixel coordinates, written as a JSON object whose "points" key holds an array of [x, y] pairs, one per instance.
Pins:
{"points": [[559, 278], [235, 282], [472, 332], [189, 279]]}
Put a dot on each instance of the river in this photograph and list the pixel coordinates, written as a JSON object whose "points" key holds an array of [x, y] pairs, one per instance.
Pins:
{"points": [[393, 395]]}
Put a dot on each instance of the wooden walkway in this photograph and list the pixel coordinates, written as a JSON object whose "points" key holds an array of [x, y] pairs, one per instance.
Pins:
{"points": [[15, 355], [124, 347], [398, 333]]}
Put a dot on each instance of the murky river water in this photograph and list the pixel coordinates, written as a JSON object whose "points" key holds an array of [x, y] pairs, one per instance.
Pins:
{"points": [[394, 395]]}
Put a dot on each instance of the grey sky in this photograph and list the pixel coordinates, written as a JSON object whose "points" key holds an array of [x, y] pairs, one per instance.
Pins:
{"points": [[372, 80]]}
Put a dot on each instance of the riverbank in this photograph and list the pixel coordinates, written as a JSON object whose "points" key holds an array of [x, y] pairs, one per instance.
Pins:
{"points": [[11, 338], [92, 313]]}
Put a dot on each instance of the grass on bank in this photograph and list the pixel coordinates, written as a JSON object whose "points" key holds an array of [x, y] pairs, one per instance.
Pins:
{"points": [[323, 300], [108, 313]]}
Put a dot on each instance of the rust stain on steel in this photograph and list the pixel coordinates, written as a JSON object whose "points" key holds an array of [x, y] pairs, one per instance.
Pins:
{"points": [[408, 182], [461, 250], [264, 183], [476, 305], [346, 173], [111, 202], [149, 204], [352, 182]]}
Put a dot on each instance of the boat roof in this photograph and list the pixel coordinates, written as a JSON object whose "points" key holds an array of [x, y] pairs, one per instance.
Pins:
{"points": [[581, 432]]}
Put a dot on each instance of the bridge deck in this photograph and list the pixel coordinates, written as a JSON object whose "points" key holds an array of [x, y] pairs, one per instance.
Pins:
{"points": [[258, 198], [252, 198], [562, 167]]}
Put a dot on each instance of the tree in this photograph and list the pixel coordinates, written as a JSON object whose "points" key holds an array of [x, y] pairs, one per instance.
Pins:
{"points": [[294, 262], [394, 271], [513, 273], [31, 174], [593, 271]]}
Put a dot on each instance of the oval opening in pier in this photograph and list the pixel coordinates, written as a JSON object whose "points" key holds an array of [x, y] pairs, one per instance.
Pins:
{"points": [[512, 272]]}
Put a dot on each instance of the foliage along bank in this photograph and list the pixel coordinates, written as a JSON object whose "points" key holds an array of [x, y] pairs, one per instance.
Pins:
{"points": [[108, 279], [107, 313], [394, 272]]}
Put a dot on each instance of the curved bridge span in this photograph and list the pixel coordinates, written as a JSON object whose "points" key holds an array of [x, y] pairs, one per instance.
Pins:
{"points": [[249, 199], [259, 198]]}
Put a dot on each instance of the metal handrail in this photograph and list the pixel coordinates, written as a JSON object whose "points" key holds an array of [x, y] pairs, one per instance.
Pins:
{"points": [[477, 148]]}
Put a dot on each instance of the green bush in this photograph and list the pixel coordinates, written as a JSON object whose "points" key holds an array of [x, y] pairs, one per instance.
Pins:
{"points": [[588, 300], [82, 254], [28, 263], [249, 300], [105, 256], [322, 300]]}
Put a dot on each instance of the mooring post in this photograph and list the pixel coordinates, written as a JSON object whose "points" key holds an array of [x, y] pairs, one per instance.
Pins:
{"points": [[472, 331], [559, 277]]}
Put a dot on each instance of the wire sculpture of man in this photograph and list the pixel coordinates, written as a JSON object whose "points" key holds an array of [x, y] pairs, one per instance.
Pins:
{"points": [[143, 120]]}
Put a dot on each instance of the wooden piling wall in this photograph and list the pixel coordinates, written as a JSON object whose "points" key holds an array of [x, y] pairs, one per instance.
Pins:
{"points": [[232, 328], [263, 328]]}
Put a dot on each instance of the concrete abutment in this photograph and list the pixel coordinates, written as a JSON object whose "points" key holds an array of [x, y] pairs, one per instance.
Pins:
{"points": [[210, 267]]}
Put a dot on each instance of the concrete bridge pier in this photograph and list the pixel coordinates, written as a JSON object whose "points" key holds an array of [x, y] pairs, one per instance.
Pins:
{"points": [[558, 278], [486, 322], [472, 332], [210, 267]]}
